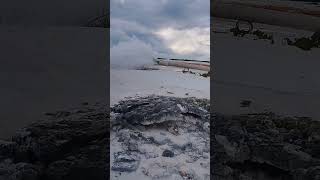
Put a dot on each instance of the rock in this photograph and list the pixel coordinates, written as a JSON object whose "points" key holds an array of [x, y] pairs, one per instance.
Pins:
{"points": [[245, 103], [125, 162], [167, 153], [273, 146], [173, 129], [6, 148], [182, 109], [316, 37], [306, 43], [19, 171], [155, 123], [159, 109], [68, 144], [59, 169]]}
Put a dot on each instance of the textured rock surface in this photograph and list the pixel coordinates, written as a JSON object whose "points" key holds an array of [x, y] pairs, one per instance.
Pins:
{"points": [[265, 146], [161, 138], [73, 144], [68, 145]]}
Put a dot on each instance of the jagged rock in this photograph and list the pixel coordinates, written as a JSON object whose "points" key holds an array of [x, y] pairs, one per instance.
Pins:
{"points": [[264, 146], [74, 145], [67, 145], [167, 153], [161, 126], [305, 43], [6, 148], [159, 109], [125, 163], [12, 171]]}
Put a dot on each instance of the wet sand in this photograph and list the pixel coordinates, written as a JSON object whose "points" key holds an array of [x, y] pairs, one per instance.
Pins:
{"points": [[275, 77], [167, 81]]}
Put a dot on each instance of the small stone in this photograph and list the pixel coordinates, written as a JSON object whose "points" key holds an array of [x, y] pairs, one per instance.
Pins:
{"points": [[167, 153], [6, 147], [245, 103], [182, 109], [125, 162], [125, 166], [173, 130]]}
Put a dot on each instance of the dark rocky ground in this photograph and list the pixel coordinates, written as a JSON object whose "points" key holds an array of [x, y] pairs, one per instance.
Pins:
{"points": [[67, 145], [74, 144], [161, 138], [265, 146]]}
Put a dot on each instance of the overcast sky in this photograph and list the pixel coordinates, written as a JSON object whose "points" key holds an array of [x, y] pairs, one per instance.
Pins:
{"points": [[51, 12], [142, 29]]}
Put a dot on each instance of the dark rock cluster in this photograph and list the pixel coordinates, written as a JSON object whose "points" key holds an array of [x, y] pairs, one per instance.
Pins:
{"points": [[265, 146], [155, 110], [306, 43], [67, 145], [167, 153], [145, 130], [74, 144]]}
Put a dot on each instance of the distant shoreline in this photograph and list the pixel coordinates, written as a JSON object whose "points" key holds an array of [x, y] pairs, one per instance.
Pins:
{"points": [[294, 14]]}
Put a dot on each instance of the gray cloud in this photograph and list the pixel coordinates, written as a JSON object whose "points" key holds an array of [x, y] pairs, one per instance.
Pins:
{"points": [[139, 28], [158, 13]]}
